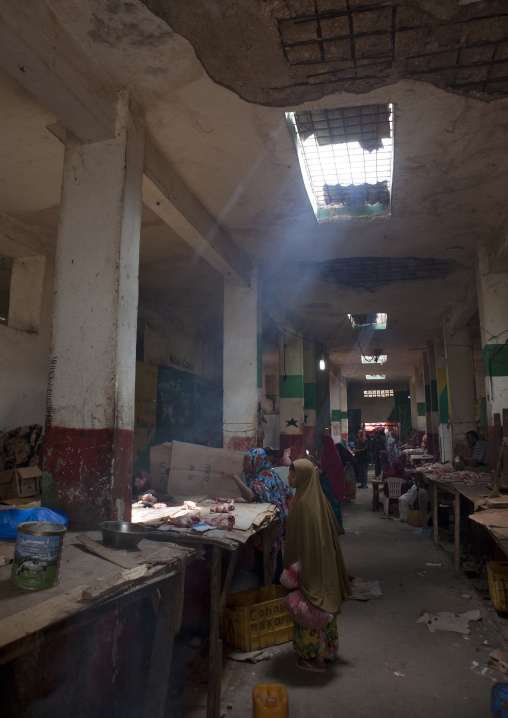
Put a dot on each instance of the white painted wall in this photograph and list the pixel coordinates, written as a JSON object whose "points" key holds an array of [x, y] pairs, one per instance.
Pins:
{"points": [[373, 410], [24, 355]]}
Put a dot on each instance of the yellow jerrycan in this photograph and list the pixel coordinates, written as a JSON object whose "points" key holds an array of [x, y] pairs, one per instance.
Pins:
{"points": [[270, 700]]}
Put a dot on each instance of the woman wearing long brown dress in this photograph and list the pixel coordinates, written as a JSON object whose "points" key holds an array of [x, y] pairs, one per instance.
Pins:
{"points": [[312, 536]]}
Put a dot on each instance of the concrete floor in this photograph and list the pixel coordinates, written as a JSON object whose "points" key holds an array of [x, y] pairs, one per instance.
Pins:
{"points": [[390, 665]]}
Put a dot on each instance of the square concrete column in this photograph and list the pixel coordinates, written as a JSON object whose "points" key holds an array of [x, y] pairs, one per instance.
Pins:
{"points": [[461, 386], [418, 392], [291, 391], [90, 401], [338, 407], [431, 414], [309, 397], [242, 365], [445, 436], [492, 289]]}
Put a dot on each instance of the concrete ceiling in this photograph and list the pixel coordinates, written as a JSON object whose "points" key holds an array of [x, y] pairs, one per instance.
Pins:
{"points": [[215, 80]]}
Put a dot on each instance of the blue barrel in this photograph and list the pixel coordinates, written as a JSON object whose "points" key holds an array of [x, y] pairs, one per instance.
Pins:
{"points": [[499, 700]]}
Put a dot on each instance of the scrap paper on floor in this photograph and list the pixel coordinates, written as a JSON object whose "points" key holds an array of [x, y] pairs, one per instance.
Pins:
{"points": [[446, 621]]}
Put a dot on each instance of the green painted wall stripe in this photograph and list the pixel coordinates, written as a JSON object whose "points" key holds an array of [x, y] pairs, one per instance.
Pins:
{"points": [[338, 415], [444, 415], [495, 359], [292, 388], [420, 408], [260, 360], [309, 396]]}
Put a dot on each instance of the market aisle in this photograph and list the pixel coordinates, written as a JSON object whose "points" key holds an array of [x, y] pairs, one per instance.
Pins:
{"points": [[390, 665]]}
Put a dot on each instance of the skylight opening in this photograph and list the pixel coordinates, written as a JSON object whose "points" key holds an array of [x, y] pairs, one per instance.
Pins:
{"points": [[377, 393], [375, 359], [370, 321], [346, 158], [375, 376]]}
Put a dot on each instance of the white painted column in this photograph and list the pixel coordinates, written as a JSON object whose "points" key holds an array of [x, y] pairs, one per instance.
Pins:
{"points": [[433, 444], [240, 417], [343, 409], [445, 435], [309, 396], [291, 391], [90, 406], [335, 405], [421, 421], [492, 289], [461, 387]]}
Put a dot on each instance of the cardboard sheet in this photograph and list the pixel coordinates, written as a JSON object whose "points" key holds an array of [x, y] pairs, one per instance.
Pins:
{"points": [[496, 518], [191, 469]]}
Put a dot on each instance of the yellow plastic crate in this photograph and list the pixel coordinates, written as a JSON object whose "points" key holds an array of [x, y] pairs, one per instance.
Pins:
{"points": [[257, 618], [497, 572]]}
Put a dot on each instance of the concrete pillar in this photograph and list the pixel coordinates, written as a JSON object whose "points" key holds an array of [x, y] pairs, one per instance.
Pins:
{"points": [[431, 413], [90, 400], [419, 394], [492, 289], [309, 396], [461, 387], [291, 391], [338, 407], [241, 366], [343, 410], [445, 435]]}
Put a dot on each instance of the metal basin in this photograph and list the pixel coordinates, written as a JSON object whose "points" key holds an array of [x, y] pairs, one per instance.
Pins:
{"points": [[122, 534]]}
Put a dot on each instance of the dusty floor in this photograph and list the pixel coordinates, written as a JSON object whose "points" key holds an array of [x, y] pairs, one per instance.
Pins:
{"points": [[390, 665]]}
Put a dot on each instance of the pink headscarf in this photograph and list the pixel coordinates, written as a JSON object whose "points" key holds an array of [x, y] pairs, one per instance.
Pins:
{"points": [[332, 464]]}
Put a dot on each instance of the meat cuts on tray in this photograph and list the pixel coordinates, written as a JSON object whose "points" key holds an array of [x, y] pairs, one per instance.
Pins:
{"points": [[222, 522], [184, 522], [222, 509]]}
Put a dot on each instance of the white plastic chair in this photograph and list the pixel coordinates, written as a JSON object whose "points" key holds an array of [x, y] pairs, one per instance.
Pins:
{"points": [[394, 491]]}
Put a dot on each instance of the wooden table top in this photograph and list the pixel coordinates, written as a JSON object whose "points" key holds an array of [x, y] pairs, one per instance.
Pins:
{"points": [[24, 613]]}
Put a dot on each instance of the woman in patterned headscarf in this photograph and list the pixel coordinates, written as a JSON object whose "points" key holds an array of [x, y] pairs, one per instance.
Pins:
{"points": [[260, 483]]}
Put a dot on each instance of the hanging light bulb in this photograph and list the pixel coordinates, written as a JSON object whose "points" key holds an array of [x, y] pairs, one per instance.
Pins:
{"points": [[322, 364]]}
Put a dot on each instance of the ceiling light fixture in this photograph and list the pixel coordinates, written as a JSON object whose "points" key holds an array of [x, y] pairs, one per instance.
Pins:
{"points": [[322, 364]]}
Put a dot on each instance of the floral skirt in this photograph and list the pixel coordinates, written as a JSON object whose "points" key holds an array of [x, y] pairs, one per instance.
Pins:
{"points": [[311, 643]]}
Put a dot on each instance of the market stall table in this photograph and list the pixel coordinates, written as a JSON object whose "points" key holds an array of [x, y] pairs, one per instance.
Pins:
{"points": [[250, 518], [496, 523], [95, 579], [418, 459], [476, 493]]}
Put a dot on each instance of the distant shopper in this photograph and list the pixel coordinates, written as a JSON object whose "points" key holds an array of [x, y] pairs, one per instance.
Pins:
{"points": [[351, 472], [362, 456], [331, 477], [378, 445], [392, 447], [481, 454]]}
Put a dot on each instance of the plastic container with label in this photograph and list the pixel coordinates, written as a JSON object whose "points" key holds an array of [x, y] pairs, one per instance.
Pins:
{"points": [[270, 700]]}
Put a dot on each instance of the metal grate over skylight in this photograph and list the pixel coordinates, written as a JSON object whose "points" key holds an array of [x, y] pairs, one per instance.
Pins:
{"points": [[377, 393], [346, 159], [375, 359], [368, 321]]}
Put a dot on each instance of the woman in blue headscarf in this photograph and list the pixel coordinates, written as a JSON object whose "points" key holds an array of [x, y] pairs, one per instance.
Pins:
{"points": [[260, 483]]}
